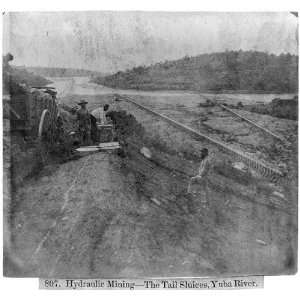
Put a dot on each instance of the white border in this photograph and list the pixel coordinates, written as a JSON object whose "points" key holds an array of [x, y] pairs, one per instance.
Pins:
{"points": [[279, 287]]}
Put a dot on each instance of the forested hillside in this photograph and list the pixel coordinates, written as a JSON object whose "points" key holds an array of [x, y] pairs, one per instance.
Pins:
{"points": [[249, 71]]}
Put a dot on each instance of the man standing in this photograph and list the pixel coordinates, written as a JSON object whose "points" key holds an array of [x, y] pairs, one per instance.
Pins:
{"points": [[84, 123], [203, 170], [100, 114]]}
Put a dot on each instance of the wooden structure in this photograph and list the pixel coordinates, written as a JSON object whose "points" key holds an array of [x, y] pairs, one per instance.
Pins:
{"points": [[260, 167], [264, 129], [33, 111], [33, 114]]}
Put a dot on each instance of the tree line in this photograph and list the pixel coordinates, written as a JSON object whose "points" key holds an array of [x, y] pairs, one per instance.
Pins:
{"points": [[249, 71]]}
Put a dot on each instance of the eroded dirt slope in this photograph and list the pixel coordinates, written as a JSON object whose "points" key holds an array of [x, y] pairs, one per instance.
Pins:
{"points": [[108, 216]]}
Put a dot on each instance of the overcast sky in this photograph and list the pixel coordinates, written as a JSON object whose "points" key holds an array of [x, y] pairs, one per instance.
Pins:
{"points": [[112, 41]]}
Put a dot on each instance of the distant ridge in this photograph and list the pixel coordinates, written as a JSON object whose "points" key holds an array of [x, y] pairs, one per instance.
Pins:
{"points": [[246, 71], [62, 72]]}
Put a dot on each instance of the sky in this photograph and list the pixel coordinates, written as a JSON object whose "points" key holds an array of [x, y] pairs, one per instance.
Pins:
{"points": [[112, 41]]}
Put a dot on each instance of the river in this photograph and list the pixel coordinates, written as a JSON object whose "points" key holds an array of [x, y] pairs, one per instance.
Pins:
{"points": [[82, 86]]}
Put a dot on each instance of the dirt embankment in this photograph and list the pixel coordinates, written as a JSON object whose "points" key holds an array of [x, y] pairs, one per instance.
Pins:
{"points": [[127, 215]]}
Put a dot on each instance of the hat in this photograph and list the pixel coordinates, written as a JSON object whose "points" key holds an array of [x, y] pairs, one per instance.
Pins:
{"points": [[204, 151], [82, 102]]}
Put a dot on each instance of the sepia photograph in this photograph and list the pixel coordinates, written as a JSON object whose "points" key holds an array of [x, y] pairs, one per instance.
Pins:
{"points": [[141, 144]]}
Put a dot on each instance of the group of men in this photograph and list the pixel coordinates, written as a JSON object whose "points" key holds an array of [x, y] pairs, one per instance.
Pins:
{"points": [[87, 121]]}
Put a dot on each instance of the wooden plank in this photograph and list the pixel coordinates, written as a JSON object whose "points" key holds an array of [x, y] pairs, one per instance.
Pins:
{"points": [[110, 144], [100, 147]]}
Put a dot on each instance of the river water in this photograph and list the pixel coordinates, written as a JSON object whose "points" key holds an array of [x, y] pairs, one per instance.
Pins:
{"points": [[81, 86]]}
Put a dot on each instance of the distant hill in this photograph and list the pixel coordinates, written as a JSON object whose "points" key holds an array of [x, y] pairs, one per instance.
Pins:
{"points": [[63, 72], [248, 71]]}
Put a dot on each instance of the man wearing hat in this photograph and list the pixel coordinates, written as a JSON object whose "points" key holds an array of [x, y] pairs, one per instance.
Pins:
{"points": [[84, 123]]}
